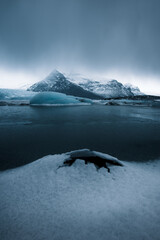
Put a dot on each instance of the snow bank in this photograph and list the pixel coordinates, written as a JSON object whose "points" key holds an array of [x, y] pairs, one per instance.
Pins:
{"points": [[53, 98], [42, 201]]}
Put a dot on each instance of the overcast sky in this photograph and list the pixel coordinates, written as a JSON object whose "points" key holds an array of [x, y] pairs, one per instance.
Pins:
{"points": [[105, 38]]}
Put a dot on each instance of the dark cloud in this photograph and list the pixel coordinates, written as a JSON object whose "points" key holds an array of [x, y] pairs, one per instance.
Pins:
{"points": [[95, 34]]}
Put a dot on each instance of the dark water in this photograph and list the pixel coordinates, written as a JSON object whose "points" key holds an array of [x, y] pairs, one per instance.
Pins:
{"points": [[28, 133]]}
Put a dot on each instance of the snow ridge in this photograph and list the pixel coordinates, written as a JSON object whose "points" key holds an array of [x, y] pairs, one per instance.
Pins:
{"points": [[112, 88]]}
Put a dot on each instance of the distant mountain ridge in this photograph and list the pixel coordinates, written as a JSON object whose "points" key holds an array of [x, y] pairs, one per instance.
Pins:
{"points": [[84, 87], [57, 82], [112, 88]]}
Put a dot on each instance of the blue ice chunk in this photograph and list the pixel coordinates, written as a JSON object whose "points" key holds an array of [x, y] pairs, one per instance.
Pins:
{"points": [[47, 98]]}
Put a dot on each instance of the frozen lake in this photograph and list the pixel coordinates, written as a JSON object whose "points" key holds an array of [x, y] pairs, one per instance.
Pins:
{"points": [[126, 132]]}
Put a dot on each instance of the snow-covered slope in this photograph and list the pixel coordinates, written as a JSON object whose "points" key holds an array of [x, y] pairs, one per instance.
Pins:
{"points": [[135, 90], [57, 82], [44, 201], [111, 88]]}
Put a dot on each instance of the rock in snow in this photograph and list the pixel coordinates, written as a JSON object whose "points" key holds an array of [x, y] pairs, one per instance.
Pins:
{"points": [[42, 201], [98, 159]]}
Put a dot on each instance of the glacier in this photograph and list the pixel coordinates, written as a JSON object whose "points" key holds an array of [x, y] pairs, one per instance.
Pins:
{"points": [[15, 94], [15, 97]]}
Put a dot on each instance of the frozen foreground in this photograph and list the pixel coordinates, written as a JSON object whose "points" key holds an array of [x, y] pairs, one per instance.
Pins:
{"points": [[48, 199]]}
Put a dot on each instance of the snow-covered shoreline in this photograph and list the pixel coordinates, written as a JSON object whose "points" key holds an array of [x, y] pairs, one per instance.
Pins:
{"points": [[42, 201]]}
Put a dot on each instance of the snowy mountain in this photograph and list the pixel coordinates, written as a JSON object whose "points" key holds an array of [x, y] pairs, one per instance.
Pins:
{"points": [[111, 88], [135, 90], [80, 86], [57, 82]]}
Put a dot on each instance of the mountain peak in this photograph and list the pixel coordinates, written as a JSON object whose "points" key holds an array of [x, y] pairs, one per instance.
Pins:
{"points": [[57, 82], [114, 82], [84, 87], [55, 75]]}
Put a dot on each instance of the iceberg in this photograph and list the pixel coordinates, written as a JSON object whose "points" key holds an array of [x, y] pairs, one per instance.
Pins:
{"points": [[53, 98]]}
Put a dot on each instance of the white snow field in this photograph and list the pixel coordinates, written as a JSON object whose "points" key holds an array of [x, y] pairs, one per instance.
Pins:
{"points": [[44, 202]]}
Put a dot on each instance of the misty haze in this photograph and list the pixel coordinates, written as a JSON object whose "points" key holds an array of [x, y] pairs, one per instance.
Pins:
{"points": [[79, 119]]}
